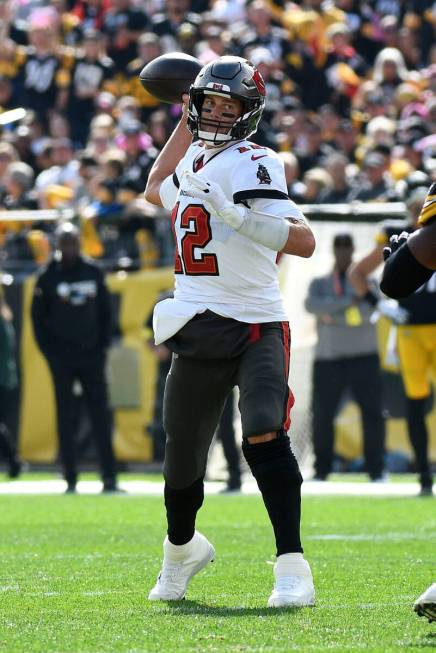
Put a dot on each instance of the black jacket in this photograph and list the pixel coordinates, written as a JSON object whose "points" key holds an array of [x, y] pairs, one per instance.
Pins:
{"points": [[71, 311]]}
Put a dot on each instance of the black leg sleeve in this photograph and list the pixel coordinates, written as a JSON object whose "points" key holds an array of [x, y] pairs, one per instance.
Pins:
{"points": [[182, 507], [418, 435], [278, 477]]}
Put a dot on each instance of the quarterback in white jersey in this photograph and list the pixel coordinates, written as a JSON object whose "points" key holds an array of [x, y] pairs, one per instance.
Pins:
{"points": [[217, 267], [226, 326]]}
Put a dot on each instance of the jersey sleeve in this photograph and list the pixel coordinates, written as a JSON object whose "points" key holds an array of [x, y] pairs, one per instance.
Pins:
{"points": [[168, 191], [283, 208], [403, 274], [170, 186], [258, 174]]}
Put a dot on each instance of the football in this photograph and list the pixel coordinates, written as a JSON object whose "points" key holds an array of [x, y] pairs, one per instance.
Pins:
{"points": [[169, 76]]}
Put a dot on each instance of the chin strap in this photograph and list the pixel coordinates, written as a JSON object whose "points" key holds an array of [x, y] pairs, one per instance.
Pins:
{"points": [[264, 228]]}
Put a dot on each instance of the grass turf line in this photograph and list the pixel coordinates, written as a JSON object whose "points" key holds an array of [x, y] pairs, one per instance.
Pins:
{"points": [[76, 570]]}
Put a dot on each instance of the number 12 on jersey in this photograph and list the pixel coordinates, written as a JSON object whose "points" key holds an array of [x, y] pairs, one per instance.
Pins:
{"points": [[196, 221]]}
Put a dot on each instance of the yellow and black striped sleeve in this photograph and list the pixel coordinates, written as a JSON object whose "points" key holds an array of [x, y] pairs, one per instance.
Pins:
{"points": [[428, 211]]}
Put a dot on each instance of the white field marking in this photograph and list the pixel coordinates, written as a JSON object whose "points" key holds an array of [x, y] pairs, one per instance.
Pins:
{"points": [[87, 594], [333, 646], [17, 589], [148, 488], [83, 557], [363, 606], [382, 537], [9, 588]]}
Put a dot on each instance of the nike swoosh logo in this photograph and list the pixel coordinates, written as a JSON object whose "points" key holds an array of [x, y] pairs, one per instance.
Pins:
{"points": [[255, 158]]}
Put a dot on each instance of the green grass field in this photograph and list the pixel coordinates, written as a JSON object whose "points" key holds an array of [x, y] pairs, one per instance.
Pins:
{"points": [[75, 572]]}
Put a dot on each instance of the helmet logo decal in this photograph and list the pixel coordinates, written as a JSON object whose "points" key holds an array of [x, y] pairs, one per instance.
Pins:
{"points": [[263, 175], [215, 86], [258, 80]]}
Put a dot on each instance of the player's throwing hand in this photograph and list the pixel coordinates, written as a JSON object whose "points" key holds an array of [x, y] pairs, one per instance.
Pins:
{"points": [[214, 199]]}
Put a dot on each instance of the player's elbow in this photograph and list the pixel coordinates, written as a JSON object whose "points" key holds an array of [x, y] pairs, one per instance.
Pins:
{"points": [[152, 194], [301, 242], [392, 290], [309, 245], [306, 245]]}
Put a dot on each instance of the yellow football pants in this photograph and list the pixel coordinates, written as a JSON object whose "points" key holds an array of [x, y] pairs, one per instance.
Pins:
{"points": [[417, 353]]}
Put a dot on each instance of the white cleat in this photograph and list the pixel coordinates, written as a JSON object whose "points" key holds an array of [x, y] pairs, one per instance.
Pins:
{"points": [[179, 565], [293, 586], [425, 605]]}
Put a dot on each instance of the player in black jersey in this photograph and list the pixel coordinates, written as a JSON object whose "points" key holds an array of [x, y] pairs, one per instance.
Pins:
{"points": [[411, 261], [416, 341]]}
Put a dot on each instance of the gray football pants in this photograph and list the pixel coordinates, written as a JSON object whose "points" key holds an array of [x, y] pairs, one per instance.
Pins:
{"points": [[196, 391]]}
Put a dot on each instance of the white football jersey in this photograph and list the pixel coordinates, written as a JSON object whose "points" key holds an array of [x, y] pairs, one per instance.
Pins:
{"points": [[217, 268]]}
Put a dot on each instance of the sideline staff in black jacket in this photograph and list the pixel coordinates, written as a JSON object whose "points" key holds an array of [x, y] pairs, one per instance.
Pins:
{"points": [[72, 324]]}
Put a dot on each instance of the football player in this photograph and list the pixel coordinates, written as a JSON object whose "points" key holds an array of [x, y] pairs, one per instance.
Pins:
{"points": [[410, 262], [226, 324], [417, 334], [411, 259]]}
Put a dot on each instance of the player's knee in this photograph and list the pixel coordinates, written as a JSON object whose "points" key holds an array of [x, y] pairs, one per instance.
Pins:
{"points": [[180, 470], [182, 466], [262, 421], [179, 479], [265, 437], [267, 459]]}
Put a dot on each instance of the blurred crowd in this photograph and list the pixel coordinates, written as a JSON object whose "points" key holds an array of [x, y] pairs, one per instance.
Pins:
{"points": [[350, 106]]}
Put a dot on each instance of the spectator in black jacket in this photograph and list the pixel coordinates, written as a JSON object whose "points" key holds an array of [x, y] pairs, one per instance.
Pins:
{"points": [[72, 323], [8, 388]]}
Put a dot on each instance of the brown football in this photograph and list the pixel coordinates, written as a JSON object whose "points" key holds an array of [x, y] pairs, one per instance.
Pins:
{"points": [[169, 76]]}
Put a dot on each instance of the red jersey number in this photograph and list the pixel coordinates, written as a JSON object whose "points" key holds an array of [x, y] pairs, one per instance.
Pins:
{"points": [[197, 219]]}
